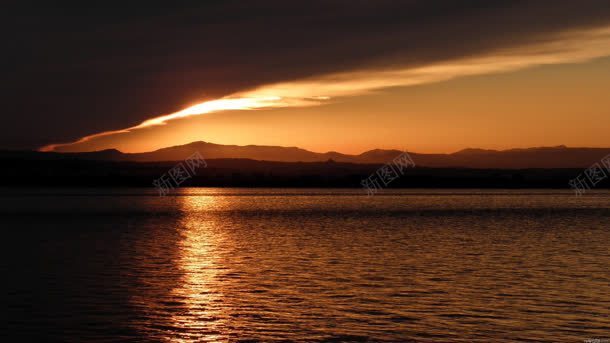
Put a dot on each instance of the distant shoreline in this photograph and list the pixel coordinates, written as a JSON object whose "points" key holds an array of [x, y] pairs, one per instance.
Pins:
{"points": [[245, 173]]}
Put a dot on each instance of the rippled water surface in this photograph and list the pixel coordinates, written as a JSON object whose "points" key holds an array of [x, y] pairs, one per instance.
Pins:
{"points": [[306, 265]]}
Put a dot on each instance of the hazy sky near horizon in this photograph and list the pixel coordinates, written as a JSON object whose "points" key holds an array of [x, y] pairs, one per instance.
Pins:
{"points": [[542, 106], [427, 76]]}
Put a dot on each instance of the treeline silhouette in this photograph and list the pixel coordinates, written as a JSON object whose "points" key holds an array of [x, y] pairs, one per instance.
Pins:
{"points": [[18, 172]]}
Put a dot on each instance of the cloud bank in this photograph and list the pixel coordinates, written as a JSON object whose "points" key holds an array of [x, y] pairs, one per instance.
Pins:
{"points": [[73, 73]]}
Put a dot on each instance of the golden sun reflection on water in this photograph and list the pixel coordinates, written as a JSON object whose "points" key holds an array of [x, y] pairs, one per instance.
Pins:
{"points": [[199, 262], [209, 265]]}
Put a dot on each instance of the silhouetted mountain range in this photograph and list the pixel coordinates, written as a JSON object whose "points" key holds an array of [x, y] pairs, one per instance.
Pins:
{"points": [[545, 157], [269, 166]]}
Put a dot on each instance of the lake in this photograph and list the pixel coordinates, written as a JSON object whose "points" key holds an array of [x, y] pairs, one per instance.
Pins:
{"points": [[319, 265]]}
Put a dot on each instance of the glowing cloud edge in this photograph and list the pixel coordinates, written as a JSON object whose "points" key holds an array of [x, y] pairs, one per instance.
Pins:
{"points": [[567, 47]]}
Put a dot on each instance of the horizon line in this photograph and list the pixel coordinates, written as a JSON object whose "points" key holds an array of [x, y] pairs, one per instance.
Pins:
{"points": [[560, 146]]}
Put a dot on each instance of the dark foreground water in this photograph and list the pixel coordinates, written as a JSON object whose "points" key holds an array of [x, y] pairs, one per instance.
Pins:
{"points": [[306, 265]]}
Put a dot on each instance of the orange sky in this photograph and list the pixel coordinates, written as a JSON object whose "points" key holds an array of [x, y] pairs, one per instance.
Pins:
{"points": [[539, 106]]}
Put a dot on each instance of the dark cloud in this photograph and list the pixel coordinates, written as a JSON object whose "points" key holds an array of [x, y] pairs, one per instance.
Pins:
{"points": [[73, 71]]}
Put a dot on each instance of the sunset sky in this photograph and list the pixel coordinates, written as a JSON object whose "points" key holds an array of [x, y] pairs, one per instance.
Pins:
{"points": [[343, 76]]}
